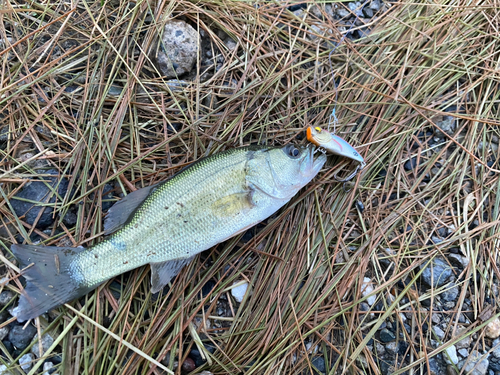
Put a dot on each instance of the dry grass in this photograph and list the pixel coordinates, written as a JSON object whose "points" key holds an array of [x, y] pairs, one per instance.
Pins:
{"points": [[306, 266]]}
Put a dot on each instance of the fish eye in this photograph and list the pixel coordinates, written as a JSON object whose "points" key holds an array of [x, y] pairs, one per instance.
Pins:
{"points": [[293, 151]]}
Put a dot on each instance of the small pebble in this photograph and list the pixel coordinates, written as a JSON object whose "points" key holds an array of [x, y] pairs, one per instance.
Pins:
{"points": [[437, 273], [494, 364], [367, 289], [451, 356], [5, 297], [386, 335], [463, 352], [188, 365], [495, 346], [319, 363], [392, 347], [47, 366], [343, 13], [4, 371], [26, 362], [477, 364], [47, 342], [439, 332], [20, 337], [239, 291], [380, 348], [411, 164], [451, 293], [492, 330]]}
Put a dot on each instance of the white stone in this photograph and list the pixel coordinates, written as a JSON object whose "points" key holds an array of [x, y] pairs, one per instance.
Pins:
{"points": [[26, 361], [367, 289], [46, 367], [492, 330], [179, 48], [239, 291], [451, 355], [4, 371]]}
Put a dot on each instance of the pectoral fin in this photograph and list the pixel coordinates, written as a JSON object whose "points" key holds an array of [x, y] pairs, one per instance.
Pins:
{"points": [[163, 272], [233, 204]]}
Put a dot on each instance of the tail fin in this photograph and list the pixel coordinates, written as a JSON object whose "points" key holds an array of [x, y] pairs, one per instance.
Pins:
{"points": [[50, 281]]}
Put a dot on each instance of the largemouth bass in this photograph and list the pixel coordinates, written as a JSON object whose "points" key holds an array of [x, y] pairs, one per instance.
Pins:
{"points": [[167, 224]]}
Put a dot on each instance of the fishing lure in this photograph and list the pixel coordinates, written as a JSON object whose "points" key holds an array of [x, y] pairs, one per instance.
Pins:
{"points": [[333, 144]]}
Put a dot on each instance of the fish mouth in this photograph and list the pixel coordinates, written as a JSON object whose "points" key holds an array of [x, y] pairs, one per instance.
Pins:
{"points": [[313, 161]]}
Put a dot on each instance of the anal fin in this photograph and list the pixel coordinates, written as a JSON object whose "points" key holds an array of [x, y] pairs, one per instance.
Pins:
{"points": [[163, 272]]}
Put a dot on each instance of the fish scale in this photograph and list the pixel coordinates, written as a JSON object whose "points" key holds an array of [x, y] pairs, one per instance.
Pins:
{"points": [[167, 224]]}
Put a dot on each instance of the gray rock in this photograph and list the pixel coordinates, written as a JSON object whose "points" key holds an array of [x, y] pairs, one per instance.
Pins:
{"points": [[5, 297], [343, 13], [495, 346], [448, 125], [386, 335], [37, 191], [47, 342], [411, 164], [436, 273], [380, 348], [319, 363], [26, 362], [466, 341], [463, 352], [450, 355], [179, 49], [439, 332], [434, 367], [494, 364], [4, 331], [387, 366], [20, 337], [451, 293], [392, 347], [356, 9], [477, 364], [458, 261], [368, 12], [375, 5]]}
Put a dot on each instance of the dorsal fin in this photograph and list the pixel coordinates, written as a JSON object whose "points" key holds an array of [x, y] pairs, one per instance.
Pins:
{"points": [[119, 213]]}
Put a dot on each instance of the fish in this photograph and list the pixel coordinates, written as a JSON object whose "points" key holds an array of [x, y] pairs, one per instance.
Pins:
{"points": [[333, 144], [167, 224]]}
